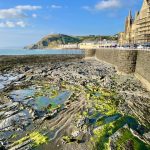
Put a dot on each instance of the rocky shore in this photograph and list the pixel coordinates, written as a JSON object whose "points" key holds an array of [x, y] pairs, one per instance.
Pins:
{"points": [[13, 60], [72, 105]]}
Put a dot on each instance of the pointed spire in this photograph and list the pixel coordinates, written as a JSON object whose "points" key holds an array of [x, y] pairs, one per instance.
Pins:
{"points": [[136, 14], [130, 14], [126, 24]]}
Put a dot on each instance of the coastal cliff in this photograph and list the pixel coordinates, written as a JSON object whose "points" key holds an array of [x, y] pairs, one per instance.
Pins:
{"points": [[52, 41], [55, 40]]}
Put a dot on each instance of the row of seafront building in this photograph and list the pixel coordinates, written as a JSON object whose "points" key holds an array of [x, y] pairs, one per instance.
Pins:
{"points": [[90, 45], [137, 29], [137, 32]]}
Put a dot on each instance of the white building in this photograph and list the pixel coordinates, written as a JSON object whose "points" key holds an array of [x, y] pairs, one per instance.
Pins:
{"points": [[97, 45], [69, 46]]}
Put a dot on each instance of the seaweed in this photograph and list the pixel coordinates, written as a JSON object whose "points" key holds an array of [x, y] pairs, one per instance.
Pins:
{"points": [[36, 139], [127, 137]]}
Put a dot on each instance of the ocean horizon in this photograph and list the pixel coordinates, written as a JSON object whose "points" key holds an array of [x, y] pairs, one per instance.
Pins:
{"points": [[38, 51]]}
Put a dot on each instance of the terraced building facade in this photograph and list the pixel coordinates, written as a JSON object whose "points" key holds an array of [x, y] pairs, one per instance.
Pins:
{"points": [[137, 29]]}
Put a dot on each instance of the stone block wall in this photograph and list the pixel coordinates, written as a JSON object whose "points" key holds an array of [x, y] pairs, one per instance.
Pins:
{"points": [[90, 52], [128, 61], [124, 60], [143, 67]]}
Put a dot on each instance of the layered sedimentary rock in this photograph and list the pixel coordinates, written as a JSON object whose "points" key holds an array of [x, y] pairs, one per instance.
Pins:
{"points": [[73, 105]]}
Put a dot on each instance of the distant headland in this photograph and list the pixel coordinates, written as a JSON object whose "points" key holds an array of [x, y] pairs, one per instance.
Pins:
{"points": [[60, 41]]}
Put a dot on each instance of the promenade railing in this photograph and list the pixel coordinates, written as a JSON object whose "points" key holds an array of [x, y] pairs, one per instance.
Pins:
{"points": [[136, 49]]}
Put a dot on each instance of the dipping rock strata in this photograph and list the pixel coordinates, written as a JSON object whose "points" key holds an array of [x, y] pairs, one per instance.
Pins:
{"points": [[100, 100]]}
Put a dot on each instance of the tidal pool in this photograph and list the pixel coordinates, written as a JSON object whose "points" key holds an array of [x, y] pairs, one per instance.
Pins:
{"points": [[6, 79], [35, 102], [23, 94], [43, 101], [40, 98]]}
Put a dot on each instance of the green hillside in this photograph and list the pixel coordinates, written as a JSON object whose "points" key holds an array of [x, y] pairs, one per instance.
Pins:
{"points": [[52, 41], [96, 38]]}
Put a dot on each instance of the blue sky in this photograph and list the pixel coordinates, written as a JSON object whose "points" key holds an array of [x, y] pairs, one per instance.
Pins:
{"points": [[23, 22]]}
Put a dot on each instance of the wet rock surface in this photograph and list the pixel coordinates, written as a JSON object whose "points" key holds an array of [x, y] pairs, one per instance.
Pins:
{"points": [[72, 105]]}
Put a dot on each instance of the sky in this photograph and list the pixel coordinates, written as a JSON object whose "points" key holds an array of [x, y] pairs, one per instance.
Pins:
{"points": [[24, 22]]}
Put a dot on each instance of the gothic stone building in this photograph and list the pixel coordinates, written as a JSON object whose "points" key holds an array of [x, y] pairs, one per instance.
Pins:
{"points": [[137, 29]]}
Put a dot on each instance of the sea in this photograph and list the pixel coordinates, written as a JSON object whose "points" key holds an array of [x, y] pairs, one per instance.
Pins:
{"points": [[39, 51]]}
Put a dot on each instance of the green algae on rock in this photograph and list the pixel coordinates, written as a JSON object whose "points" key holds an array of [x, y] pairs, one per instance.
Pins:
{"points": [[34, 139], [85, 101]]}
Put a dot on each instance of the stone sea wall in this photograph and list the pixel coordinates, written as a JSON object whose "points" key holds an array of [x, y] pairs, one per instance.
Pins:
{"points": [[90, 52], [128, 61], [143, 67], [12, 61], [124, 60]]}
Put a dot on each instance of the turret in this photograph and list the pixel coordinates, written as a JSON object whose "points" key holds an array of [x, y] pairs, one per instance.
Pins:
{"points": [[136, 15], [130, 18], [128, 23], [130, 15]]}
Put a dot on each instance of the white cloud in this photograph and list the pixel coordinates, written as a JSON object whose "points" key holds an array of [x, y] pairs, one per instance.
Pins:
{"points": [[11, 13], [34, 15], [17, 12], [21, 24], [108, 4], [104, 5], [56, 6], [11, 24], [86, 7], [28, 7], [7, 24]]}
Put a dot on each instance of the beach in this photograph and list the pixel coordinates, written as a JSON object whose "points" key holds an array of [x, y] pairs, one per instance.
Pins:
{"points": [[70, 104]]}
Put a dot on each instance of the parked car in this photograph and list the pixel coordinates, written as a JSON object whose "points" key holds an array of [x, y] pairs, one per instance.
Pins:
{"points": [[133, 46], [120, 47], [140, 47]]}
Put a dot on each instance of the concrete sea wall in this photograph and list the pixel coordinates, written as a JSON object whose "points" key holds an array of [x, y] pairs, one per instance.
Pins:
{"points": [[128, 61]]}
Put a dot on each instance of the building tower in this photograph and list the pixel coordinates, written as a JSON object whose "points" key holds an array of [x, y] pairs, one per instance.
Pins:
{"points": [[128, 28], [137, 30]]}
